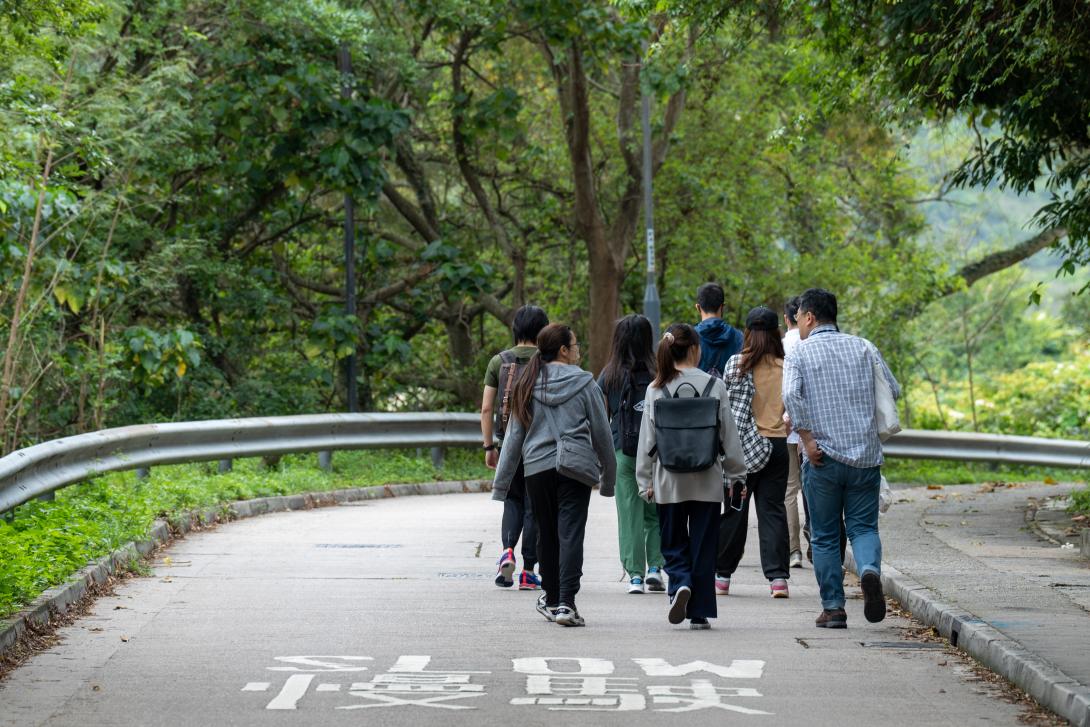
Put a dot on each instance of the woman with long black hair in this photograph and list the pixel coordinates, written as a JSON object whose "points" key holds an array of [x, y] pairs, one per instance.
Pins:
{"points": [[624, 380], [560, 432], [688, 498], [754, 381]]}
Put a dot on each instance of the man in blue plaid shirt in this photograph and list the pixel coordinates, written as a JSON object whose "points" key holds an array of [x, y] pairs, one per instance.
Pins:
{"points": [[828, 391]]}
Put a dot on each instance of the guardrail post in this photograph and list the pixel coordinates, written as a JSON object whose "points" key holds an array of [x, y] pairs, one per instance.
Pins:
{"points": [[142, 473], [225, 466], [438, 454], [325, 461], [9, 516]]}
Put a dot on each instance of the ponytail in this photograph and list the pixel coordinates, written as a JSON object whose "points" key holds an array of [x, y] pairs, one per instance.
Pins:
{"points": [[549, 342], [675, 346]]}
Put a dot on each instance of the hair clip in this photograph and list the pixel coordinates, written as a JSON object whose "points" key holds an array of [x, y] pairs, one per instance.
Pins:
{"points": [[668, 337]]}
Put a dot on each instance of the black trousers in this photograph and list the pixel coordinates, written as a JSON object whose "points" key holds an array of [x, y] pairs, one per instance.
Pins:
{"points": [[688, 547], [768, 489], [518, 520], [560, 508]]}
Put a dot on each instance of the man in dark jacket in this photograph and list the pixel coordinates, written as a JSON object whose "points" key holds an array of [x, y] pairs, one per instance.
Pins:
{"points": [[718, 339]]}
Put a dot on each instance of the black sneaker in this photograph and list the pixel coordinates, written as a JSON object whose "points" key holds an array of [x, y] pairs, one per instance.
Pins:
{"points": [[699, 624], [567, 616], [678, 605], [874, 601], [549, 612]]}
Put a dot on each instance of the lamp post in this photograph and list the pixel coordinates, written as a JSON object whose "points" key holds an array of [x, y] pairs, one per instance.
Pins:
{"points": [[344, 63], [652, 306]]}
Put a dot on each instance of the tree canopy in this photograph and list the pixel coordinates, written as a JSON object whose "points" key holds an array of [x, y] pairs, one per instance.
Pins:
{"points": [[173, 176]]}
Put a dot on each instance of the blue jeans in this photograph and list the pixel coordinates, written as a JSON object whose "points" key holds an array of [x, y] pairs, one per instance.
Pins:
{"points": [[831, 490]]}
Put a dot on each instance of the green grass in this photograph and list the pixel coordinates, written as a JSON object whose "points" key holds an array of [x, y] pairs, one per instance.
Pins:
{"points": [[1080, 501], [48, 541], [941, 472]]}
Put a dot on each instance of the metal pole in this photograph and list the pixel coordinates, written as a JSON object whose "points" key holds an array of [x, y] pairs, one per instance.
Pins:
{"points": [[344, 61], [652, 306]]}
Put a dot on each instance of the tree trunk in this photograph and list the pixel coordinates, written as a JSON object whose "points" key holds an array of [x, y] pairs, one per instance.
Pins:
{"points": [[606, 276]]}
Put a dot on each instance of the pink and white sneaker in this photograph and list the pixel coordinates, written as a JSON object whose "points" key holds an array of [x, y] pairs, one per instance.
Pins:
{"points": [[722, 586], [778, 586], [506, 570]]}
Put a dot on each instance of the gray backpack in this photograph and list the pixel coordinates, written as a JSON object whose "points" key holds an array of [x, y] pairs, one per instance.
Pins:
{"points": [[687, 430]]}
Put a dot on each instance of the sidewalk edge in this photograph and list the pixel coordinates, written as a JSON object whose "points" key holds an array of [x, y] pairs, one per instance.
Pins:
{"points": [[57, 601], [1040, 679]]}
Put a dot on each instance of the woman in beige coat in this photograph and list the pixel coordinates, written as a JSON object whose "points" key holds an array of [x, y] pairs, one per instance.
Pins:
{"points": [[688, 502]]}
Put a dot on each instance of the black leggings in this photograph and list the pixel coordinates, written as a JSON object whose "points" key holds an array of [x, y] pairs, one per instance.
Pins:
{"points": [[560, 508], [518, 521]]}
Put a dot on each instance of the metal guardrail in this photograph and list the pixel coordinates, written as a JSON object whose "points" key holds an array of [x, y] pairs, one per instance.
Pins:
{"points": [[970, 447], [44, 468]]}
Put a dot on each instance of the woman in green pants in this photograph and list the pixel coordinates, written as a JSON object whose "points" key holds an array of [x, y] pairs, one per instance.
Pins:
{"points": [[624, 381]]}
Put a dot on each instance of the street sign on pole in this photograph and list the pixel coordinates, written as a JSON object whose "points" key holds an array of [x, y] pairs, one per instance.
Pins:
{"points": [[652, 306]]}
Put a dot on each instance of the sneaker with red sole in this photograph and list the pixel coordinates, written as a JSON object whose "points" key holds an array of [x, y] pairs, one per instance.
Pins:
{"points": [[528, 581], [722, 586], [506, 570], [778, 586]]}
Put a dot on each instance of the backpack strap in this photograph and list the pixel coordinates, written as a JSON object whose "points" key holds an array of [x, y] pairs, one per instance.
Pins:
{"points": [[507, 358], [708, 388]]}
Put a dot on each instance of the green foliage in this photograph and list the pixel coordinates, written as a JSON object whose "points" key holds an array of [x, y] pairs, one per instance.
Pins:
{"points": [[1080, 501], [943, 472], [48, 541], [1043, 398]]}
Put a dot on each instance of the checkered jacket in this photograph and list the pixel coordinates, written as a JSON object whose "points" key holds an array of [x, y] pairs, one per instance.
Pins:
{"points": [[756, 449]]}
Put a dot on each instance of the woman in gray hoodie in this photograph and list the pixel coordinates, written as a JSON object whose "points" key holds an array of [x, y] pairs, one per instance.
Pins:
{"points": [[688, 502], [556, 401]]}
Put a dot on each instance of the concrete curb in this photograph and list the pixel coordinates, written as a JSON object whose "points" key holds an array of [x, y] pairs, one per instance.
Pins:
{"points": [[1039, 678], [57, 601]]}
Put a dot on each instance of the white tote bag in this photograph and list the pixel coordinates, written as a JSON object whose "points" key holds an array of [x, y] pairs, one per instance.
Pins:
{"points": [[886, 419]]}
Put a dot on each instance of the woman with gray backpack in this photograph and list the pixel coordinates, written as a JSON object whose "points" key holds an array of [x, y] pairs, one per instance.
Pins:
{"points": [[560, 432], [624, 382], [688, 450]]}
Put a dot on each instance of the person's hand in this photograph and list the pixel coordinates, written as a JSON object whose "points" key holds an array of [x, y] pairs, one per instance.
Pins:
{"points": [[491, 458], [813, 452]]}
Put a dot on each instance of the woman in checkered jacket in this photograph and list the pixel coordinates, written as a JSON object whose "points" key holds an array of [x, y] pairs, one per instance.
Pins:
{"points": [[754, 379]]}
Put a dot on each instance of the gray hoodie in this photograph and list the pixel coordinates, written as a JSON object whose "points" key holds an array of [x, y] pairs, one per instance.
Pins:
{"points": [[578, 409]]}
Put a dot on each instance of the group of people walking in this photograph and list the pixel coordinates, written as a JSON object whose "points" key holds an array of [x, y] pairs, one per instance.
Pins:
{"points": [[685, 434]]}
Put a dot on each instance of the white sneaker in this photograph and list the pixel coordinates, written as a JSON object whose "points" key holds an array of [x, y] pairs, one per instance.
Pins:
{"points": [[568, 616], [654, 579], [796, 559], [635, 585]]}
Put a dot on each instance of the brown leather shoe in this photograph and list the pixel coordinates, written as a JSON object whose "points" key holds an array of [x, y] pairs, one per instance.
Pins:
{"points": [[834, 618]]}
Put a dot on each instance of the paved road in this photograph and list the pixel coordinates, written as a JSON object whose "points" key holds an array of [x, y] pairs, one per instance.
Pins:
{"points": [[384, 613]]}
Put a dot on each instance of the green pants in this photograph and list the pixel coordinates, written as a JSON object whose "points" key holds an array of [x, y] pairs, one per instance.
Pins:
{"points": [[637, 522]]}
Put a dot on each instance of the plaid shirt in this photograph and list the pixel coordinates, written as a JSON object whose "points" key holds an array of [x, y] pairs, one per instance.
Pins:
{"points": [[740, 390], [828, 390]]}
